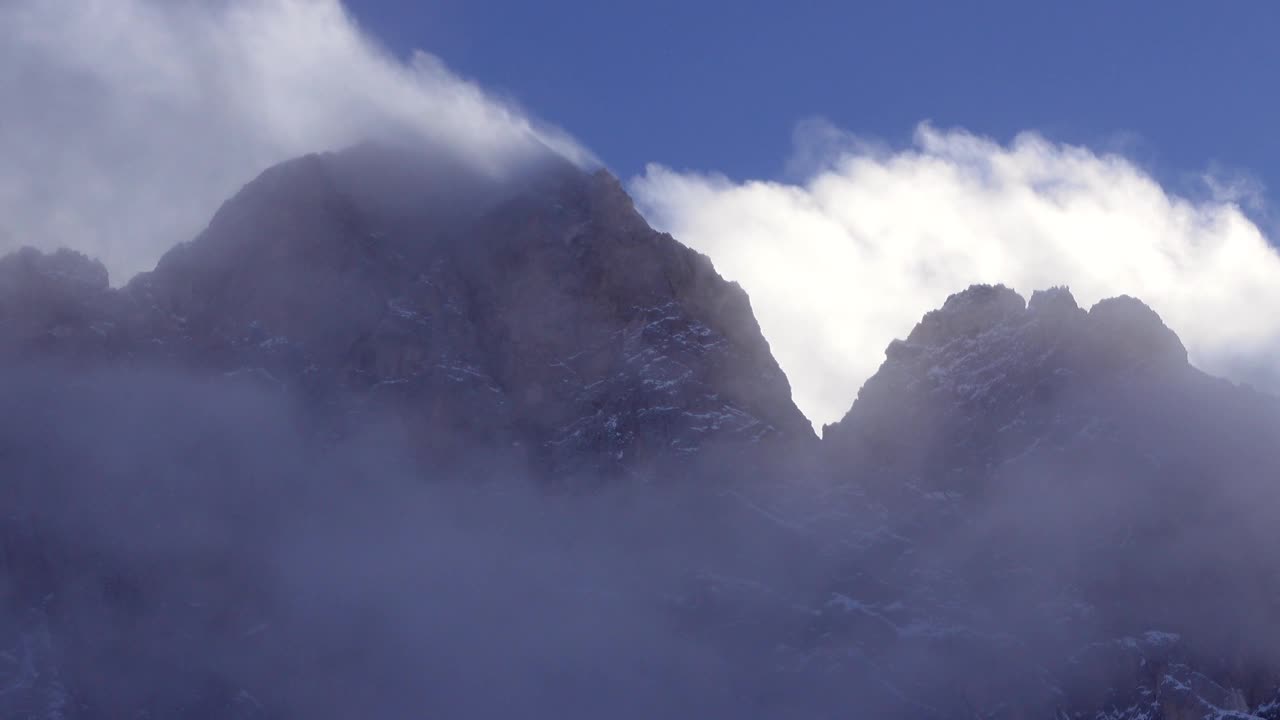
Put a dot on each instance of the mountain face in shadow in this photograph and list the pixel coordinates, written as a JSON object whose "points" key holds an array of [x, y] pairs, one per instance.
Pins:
{"points": [[535, 315], [390, 438], [1063, 495]]}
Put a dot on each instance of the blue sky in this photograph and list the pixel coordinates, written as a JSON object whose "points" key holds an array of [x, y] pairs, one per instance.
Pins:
{"points": [[1178, 87]]}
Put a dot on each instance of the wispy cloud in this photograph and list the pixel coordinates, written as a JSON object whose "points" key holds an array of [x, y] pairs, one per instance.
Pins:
{"points": [[848, 258], [123, 123]]}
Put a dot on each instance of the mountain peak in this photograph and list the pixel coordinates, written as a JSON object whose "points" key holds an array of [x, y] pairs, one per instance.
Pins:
{"points": [[61, 267], [1134, 332], [537, 310], [1055, 301], [969, 312], [985, 353]]}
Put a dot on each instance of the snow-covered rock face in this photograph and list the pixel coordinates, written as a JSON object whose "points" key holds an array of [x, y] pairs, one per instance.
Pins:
{"points": [[543, 317]]}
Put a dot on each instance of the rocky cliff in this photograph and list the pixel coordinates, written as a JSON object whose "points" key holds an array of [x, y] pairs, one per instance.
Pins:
{"points": [[1061, 493], [537, 316], [223, 482]]}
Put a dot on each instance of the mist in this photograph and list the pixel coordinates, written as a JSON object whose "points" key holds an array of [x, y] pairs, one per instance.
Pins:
{"points": [[184, 546], [346, 452], [127, 122], [194, 553]]}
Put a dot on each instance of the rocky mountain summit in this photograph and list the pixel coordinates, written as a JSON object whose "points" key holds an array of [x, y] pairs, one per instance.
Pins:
{"points": [[227, 493], [1061, 493], [1031, 510], [983, 379], [538, 316]]}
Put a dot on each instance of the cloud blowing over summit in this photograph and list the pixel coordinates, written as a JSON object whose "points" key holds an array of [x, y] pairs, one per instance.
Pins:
{"points": [[127, 122]]}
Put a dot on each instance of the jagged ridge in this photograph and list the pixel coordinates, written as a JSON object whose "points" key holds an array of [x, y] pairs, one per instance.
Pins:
{"points": [[1019, 515]]}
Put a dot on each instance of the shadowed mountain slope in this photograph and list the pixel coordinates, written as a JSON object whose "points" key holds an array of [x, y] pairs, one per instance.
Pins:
{"points": [[225, 482], [537, 313]]}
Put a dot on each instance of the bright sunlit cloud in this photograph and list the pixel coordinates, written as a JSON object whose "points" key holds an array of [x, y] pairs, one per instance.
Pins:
{"points": [[124, 123], [850, 258]]}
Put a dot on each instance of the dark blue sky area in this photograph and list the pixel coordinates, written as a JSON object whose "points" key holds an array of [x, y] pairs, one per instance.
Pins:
{"points": [[1177, 86]]}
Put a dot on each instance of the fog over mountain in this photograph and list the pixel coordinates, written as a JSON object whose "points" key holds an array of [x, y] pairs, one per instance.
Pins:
{"points": [[392, 437], [126, 122], [332, 386]]}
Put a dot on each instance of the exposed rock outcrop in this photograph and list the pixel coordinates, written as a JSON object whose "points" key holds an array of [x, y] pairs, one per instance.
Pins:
{"points": [[537, 315], [1055, 483], [980, 380]]}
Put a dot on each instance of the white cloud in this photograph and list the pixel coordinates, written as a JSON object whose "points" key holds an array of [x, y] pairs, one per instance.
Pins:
{"points": [[851, 257], [124, 123]]}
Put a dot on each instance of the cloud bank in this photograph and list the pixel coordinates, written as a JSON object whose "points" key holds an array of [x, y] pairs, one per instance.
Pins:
{"points": [[848, 259], [124, 123]]}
